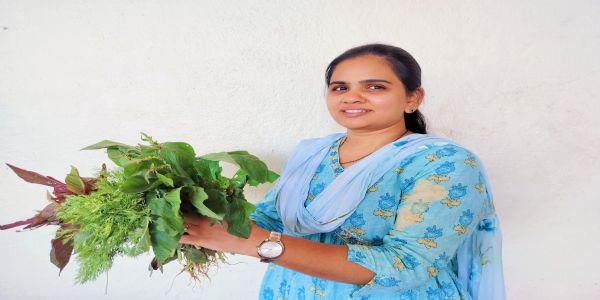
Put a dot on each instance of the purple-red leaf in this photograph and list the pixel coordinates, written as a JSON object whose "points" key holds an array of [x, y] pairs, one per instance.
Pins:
{"points": [[62, 247], [16, 224], [154, 264], [60, 189], [90, 183], [60, 192], [34, 177], [44, 217]]}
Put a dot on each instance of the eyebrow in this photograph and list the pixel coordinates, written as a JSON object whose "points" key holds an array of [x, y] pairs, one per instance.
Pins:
{"points": [[362, 81]]}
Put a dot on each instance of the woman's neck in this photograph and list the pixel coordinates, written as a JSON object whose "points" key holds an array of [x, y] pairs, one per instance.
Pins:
{"points": [[358, 145], [374, 139]]}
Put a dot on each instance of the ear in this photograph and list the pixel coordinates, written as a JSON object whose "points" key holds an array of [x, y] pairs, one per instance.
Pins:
{"points": [[414, 100]]}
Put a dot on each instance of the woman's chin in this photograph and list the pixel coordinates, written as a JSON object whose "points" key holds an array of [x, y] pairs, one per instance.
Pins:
{"points": [[356, 127]]}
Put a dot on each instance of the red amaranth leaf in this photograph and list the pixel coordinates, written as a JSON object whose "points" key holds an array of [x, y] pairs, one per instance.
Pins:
{"points": [[90, 183], [62, 248], [60, 189], [17, 224], [34, 177], [44, 217], [60, 193]]}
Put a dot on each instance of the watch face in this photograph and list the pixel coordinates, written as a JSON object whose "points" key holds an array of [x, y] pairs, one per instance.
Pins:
{"points": [[270, 249]]}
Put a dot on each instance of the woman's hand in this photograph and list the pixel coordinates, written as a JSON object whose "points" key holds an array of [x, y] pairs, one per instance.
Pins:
{"points": [[326, 261], [199, 232]]}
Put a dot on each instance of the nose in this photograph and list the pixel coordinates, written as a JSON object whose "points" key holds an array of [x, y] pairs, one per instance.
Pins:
{"points": [[353, 97]]}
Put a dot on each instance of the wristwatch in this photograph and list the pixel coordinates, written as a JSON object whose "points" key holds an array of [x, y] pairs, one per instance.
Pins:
{"points": [[271, 248]]}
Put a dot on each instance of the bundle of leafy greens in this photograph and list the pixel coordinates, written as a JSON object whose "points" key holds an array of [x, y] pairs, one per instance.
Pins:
{"points": [[138, 206]]}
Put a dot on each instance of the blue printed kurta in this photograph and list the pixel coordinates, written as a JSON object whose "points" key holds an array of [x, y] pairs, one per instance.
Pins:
{"points": [[406, 229]]}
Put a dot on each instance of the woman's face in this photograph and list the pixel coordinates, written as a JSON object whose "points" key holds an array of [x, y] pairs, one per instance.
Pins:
{"points": [[364, 94]]}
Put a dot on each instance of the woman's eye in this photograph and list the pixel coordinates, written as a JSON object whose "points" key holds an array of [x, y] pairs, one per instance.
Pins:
{"points": [[370, 87]]}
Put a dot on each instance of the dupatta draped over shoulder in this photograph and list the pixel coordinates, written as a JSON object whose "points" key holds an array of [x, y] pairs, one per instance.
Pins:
{"points": [[478, 259]]}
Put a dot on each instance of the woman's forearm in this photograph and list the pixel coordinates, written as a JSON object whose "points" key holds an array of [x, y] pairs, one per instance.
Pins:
{"points": [[325, 261]]}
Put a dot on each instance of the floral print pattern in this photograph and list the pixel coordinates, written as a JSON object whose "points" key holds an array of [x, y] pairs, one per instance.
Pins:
{"points": [[406, 230]]}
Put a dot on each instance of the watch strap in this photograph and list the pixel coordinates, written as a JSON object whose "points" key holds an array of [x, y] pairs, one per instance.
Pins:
{"points": [[274, 236]]}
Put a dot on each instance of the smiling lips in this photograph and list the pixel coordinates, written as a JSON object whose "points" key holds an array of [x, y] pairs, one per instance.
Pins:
{"points": [[355, 112]]}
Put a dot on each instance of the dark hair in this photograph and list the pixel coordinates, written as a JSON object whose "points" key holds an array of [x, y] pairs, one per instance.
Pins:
{"points": [[404, 66]]}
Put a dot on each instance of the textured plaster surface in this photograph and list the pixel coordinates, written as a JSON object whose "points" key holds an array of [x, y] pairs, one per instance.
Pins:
{"points": [[515, 81]]}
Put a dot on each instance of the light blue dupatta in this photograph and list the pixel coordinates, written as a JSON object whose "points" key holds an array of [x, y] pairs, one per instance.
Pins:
{"points": [[478, 260]]}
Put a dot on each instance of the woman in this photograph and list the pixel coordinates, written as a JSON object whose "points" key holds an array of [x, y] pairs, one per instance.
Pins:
{"points": [[382, 211]]}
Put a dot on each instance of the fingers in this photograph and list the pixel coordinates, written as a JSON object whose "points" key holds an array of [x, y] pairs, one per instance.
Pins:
{"points": [[193, 220], [186, 239], [191, 224], [186, 227]]}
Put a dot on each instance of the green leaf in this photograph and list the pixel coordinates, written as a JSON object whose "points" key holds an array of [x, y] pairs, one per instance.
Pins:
{"points": [[256, 169], [217, 200], [198, 197], [141, 237], [105, 144], [209, 170], [117, 155], [166, 227], [74, 182], [272, 176], [237, 217], [138, 184], [180, 156], [132, 167], [141, 165], [164, 179], [240, 179], [196, 255]]}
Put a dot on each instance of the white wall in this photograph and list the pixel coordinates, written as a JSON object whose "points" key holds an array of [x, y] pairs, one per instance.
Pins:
{"points": [[516, 81]]}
